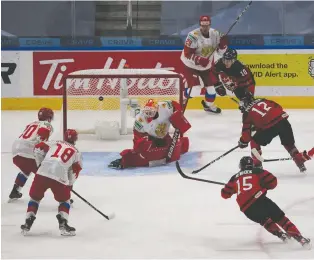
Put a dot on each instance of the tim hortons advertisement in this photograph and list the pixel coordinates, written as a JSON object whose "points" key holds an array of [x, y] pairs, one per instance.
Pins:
{"points": [[51, 67], [269, 69]]}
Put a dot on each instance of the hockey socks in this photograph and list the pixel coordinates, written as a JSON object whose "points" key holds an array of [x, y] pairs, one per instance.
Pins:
{"points": [[20, 180], [289, 227]]}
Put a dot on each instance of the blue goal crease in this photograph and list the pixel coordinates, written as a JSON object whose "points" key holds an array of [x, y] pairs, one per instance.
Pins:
{"points": [[96, 164]]}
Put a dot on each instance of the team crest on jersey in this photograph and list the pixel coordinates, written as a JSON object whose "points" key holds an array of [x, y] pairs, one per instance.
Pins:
{"points": [[161, 130], [206, 51]]}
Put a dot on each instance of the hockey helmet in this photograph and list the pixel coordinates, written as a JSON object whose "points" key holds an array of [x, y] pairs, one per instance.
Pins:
{"points": [[70, 136], [205, 20], [150, 108], [229, 57], [246, 98], [230, 54], [246, 163], [45, 114]]}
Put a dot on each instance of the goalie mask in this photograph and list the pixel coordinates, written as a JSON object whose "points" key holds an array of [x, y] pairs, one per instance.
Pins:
{"points": [[150, 109], [229, 57]]}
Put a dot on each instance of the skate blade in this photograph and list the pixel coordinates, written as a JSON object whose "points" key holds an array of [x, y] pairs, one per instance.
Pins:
{"points": [[24, 232], [307, 246], [67, 233], [12, 200]]}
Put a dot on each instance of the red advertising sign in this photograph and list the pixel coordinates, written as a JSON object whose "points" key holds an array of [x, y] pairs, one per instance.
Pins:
{"points": [[49, 68]]}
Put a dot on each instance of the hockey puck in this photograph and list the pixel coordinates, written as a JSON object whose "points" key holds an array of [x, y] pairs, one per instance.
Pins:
{"points": [[101, 98]]}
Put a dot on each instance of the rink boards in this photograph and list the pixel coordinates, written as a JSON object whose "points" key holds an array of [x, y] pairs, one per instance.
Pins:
{"points": [[32, 79]]}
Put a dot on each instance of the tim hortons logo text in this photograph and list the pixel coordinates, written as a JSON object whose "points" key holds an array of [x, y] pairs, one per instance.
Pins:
{"points": [[58, 70]]}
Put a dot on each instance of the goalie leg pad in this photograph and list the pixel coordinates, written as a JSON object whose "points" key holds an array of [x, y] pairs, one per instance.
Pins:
{"points": [[178, 121], [185, 144], [131, 158]]}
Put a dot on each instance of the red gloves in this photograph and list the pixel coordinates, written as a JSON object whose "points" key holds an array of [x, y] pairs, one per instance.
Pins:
{"points": [[200, 61], [223, 42]]}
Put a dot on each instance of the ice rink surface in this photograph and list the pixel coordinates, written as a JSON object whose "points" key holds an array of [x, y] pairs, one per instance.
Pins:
{"points": [[158, 213]]}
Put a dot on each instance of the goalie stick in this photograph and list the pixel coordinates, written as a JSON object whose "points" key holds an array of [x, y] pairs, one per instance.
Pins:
{"points": [[110, 216], [193, 178], [176, 132]]}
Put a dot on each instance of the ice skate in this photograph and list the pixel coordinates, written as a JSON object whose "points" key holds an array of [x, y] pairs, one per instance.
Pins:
{"points": [[284, 237], [15, 194], [116, 164], [212, 108], [305, 242], [28, 224], [64, 228]]}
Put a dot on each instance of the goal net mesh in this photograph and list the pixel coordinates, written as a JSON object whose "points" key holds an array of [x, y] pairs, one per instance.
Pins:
{"points": [[94, 95]]}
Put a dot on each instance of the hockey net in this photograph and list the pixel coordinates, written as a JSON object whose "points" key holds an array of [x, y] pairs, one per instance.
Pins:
{"points": [[111, 98]]}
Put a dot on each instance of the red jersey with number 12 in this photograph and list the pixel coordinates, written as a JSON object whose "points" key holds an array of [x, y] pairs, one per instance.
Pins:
{"points": [[249, 185], [262, 114], [59, 160]]}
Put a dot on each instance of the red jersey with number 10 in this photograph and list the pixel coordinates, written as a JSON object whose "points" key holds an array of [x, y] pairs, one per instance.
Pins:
{"points": [[59, 160], [262, 114], [249, 185]]}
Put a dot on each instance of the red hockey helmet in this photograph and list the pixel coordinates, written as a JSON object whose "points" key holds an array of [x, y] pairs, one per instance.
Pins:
{"points": [[150, 108], [45, 114], [70, 136], [205, 20]]}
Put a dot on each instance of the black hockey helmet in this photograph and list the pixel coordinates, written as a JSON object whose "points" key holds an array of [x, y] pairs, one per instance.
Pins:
{"points": [[230, 54], [246, 98], [246, 163]]}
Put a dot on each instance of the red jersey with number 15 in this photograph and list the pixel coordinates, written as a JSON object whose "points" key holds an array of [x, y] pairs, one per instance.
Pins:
{"points": [[249, 185], [59, 160], [262, 114]]}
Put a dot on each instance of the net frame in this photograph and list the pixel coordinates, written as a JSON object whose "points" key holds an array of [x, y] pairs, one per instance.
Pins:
{"points": [[116, 74]]}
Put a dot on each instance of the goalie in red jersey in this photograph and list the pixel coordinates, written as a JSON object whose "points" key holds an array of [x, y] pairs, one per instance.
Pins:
{"points": [[268, 120], [251, 186], [151, 136], [230, 73]]}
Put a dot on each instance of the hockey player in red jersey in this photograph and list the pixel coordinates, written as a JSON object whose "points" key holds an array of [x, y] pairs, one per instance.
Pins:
{"points": [[23, 149], [229, 73], [251, 186], [60, 164], [268, 120], [151, 136], [197, 57]]}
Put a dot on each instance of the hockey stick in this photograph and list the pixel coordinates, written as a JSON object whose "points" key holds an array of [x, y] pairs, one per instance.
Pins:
{"points": [[218, 158], [111, 216], [261, 159], [193, 178]]}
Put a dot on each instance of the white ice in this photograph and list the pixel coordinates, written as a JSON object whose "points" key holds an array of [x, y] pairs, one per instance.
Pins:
{"points": [[162, 215]]}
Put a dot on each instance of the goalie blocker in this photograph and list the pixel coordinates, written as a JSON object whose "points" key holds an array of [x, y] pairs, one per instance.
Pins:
{"points": [[151, 136]]}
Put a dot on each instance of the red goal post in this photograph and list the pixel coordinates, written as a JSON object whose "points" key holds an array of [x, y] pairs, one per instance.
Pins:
{"points": [[103, 94]]}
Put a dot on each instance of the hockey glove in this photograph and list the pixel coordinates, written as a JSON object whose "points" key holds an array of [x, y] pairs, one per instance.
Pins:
{"points": [[242, 144], [200, 61], [220, 89], [223, 42]]}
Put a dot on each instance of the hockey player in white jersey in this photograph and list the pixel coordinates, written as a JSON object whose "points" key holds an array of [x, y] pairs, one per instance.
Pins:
{"points": [[60, 164], [151, 136], [197, 57], [23, 149]]}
